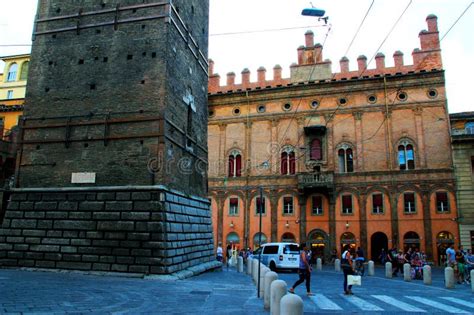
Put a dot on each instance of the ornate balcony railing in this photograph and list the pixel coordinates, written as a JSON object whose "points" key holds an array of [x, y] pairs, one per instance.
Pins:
{"points": [[314, 180]]}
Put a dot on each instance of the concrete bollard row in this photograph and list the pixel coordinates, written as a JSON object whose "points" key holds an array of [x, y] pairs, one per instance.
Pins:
{"points": [[263, 272], [277, 291], [427, 275], [249, 266], [269, 278], [388, 270], [240, 264], [291, 304], [449, 278], [472, 280], [319, 264], [406, 272], [255, 270], [371, 267], [337, 265]]}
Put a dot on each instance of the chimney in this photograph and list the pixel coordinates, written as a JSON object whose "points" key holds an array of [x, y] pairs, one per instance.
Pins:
{"points": [[318, 50], [398, 59], [300, 55], [309, 38], [261, 75], [362, 63], [344, 63], [211, 67], [246, 77], [230, 79], [432, 21], [277, 73], [380, 61]]}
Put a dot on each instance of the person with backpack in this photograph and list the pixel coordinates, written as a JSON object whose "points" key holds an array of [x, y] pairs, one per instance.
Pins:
{"points": [[304, 271]]}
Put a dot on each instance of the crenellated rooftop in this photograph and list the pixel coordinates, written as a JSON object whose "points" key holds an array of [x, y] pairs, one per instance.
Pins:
{"points": [[311, 65]]}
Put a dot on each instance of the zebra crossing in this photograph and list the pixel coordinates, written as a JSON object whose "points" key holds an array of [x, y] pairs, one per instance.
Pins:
{"points": [[381, 303]]}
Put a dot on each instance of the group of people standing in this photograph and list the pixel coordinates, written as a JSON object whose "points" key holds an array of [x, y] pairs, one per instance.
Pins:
{"points": [[462, 262], [398, 258], [231, 253]]}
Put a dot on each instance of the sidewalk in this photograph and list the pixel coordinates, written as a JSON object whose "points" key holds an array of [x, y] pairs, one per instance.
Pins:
{"points": [[218, 292]]}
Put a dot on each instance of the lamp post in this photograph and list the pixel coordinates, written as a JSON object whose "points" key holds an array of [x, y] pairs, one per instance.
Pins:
{"points": [[260, 240]]}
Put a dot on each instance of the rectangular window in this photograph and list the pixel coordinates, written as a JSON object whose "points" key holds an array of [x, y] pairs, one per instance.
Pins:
{"points": [[442, 202], [9, 94], [377, 203], [233, 206], [287, 205], [409, 202], [346, 204], [259, 203], [317, 207]]}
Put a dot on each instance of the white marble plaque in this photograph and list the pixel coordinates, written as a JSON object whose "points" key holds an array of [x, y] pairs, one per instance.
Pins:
{"points": [[83, 178]]}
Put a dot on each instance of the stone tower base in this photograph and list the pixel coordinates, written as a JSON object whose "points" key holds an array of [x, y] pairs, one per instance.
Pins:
{"points": [[148, 230]]}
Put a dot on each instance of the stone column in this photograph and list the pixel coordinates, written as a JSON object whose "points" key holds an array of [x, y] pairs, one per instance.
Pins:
{"points": [[425, 197], [274, 214], [363, 222], [302, 202], [394, 211], [332, 221], [220, 200]]}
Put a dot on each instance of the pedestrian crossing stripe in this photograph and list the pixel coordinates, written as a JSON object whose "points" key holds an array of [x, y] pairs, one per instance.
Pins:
{"points": [[459, 301], [362, 304], [324, 303], [399, 304], [443, 307]]}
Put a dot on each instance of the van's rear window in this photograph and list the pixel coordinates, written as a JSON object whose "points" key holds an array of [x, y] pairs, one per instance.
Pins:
{"points": [[291, 249]]}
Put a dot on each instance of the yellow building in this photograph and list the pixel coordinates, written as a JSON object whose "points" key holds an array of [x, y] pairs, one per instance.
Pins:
{"points": [[12, 90]]}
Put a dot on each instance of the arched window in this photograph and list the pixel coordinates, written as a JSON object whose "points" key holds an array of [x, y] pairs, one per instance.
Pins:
{"points": [[469, 127], [288, 162], [316, 150], [235, 164], [12, 72], [406, 156], [346, 160], [24, 70]]}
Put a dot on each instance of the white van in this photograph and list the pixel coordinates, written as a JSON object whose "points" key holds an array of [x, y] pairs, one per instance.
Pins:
{"points": [[280, 255]]}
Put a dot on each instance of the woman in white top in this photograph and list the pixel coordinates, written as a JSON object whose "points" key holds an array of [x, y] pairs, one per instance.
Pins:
{"points": [[348, 268]]}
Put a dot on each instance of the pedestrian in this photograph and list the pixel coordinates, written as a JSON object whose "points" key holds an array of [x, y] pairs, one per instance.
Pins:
{"points": [[461, 262], [304, 271], [347, 267], [383, 256], [228, 253], [219, 252]]}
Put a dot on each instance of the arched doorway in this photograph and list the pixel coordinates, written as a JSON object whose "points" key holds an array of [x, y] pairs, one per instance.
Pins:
{"points": [[348, 239], [317, 241], [256, 240], [378, 241], [288, 238], [233, 239], [411, 240], [443, 241]]}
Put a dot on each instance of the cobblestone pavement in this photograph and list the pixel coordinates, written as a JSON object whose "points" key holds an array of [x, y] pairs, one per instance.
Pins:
{"points": [[218, 292]]}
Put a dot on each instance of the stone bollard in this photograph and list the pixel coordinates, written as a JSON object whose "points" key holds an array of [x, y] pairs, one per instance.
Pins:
{"points": [[269, 278], [291, 304], [472, 280], [249, 266], [388, 270], [337, 265], [263, 271], [449, 278], [240, 264], [277, 291], [427, 274], [255, 270], [371, 271], [319, 264], [406, 272]]}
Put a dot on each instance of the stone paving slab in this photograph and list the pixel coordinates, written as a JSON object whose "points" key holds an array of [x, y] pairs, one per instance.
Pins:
{"points": [[218, 292]]}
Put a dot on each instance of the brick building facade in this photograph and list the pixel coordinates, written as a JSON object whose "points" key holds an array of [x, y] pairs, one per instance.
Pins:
{"points": [[356, 157]]}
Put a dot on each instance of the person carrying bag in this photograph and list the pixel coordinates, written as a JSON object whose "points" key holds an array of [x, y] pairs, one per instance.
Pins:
{"points": [[347, 268]]}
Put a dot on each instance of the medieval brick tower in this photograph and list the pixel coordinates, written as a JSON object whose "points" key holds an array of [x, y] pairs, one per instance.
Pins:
{"points": [[111, 173]]}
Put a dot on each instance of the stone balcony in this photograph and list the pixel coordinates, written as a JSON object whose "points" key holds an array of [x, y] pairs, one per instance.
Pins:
{"points": [[316, 180]]}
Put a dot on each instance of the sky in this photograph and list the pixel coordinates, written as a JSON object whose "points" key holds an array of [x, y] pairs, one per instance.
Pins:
{"points": [[254, 33]]}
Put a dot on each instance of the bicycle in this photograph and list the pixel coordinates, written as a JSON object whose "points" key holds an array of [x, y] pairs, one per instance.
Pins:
{"points": [[359, 267]]}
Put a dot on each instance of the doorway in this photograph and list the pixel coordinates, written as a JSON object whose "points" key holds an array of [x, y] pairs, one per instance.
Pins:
{"points": [[378, 241]]}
